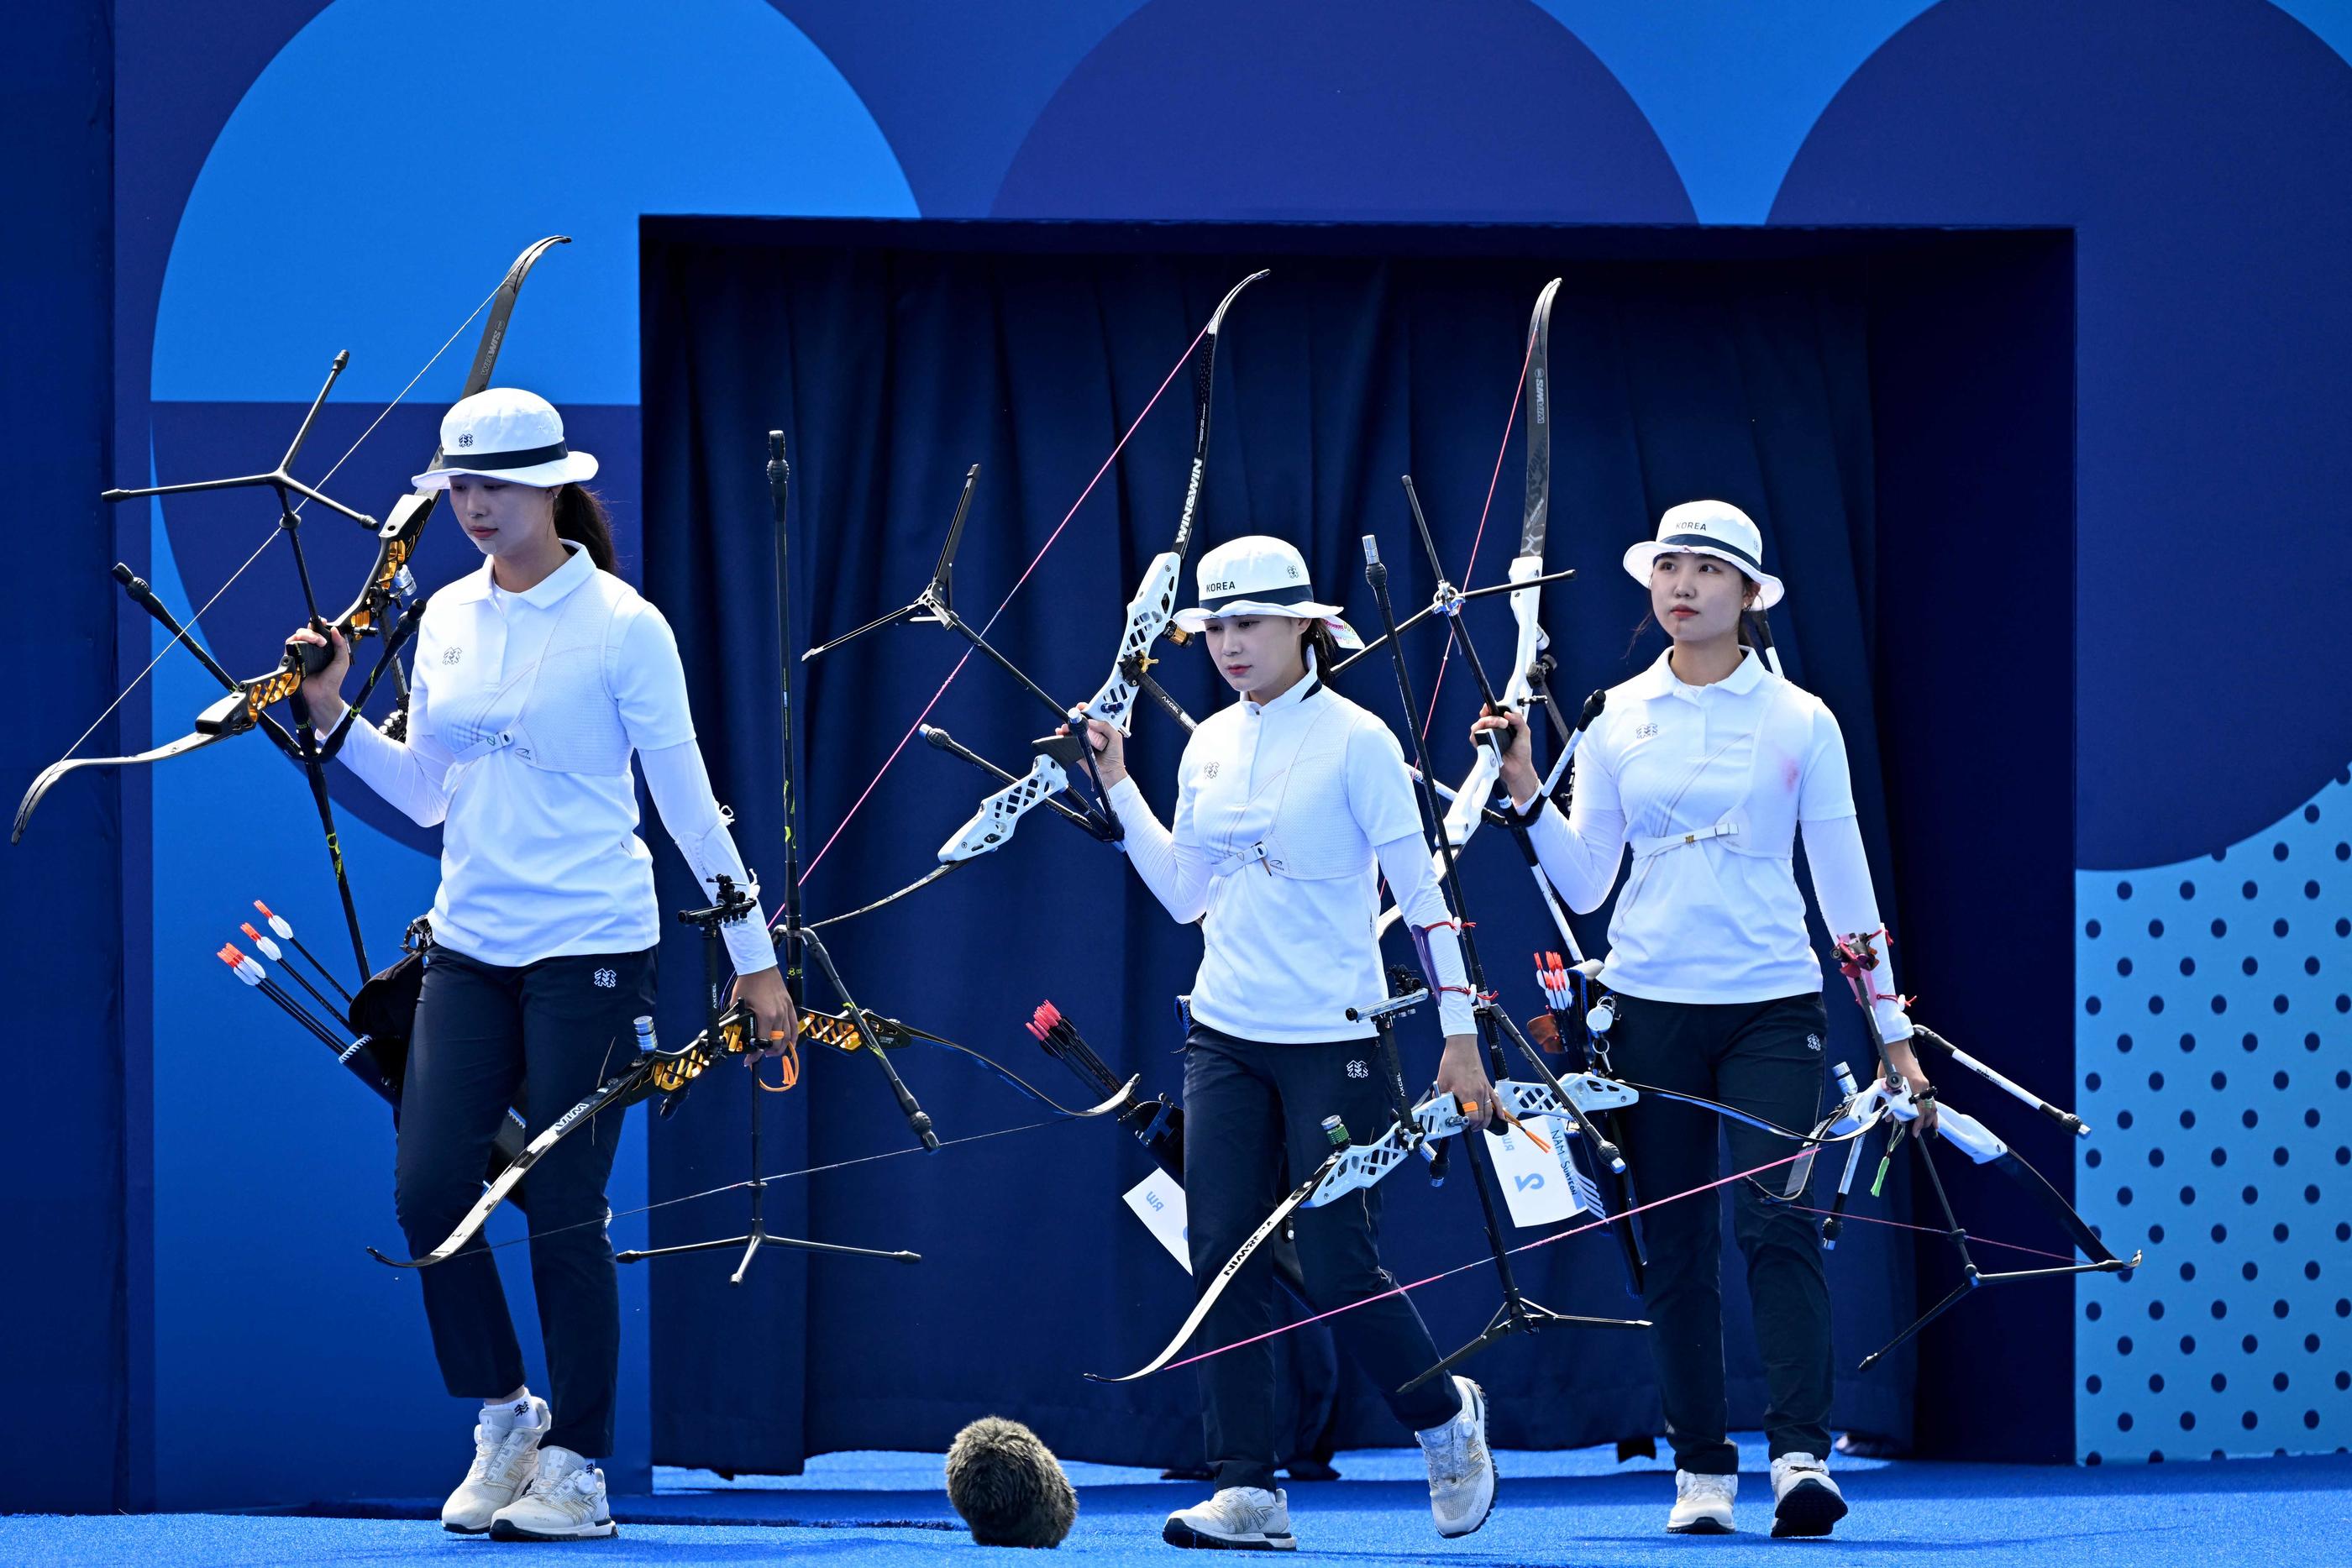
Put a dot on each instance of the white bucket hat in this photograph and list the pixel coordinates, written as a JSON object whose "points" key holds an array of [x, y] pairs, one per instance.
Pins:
{"points": [[506, 433], [1709, 527], [1259, 575]]}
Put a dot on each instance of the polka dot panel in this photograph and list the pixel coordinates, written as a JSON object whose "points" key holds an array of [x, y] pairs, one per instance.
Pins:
{"points": [[2214, 1011]]}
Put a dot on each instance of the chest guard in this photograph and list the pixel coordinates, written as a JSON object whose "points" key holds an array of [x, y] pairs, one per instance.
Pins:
{"points": [[1762, 823], [1288, 815], [558, 712]]}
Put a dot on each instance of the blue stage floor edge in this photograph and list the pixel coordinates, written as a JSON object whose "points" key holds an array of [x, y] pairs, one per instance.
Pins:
{"points": [[1576, 1508]]}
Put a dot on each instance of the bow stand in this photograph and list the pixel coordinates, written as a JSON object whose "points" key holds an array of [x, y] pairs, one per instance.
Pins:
{"points": [[800, 939], [734, 904], [1516, 1313], [1858, 957]]}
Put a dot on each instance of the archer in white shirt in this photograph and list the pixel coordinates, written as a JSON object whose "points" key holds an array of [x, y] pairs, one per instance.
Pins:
{"points": [[537, 679], [1707, 766], [1291, 806]]}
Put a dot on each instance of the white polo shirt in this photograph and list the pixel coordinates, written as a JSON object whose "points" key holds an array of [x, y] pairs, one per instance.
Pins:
{"points": [[524, 709], [1708, 786], [1287, 814]]}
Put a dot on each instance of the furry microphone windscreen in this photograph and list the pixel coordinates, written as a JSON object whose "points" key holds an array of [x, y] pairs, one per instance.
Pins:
{"points": [[1008, 1485]]}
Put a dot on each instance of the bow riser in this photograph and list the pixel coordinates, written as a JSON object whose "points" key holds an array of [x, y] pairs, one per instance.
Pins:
{"points": [[1590, 1091], [397, 538], [1363, 1164], [1462, 819], [1148, 615], [1360, 1165], [998, 815]]}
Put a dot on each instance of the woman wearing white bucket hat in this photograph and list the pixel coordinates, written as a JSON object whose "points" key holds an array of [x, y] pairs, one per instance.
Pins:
{"points": [[537, 678], [1291, 805], [1708, 764]]}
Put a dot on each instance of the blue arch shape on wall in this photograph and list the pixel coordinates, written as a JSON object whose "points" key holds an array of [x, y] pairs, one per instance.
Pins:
{"points": [[325, 217], [1732, 87], [1325, 109], [2205, 179]]}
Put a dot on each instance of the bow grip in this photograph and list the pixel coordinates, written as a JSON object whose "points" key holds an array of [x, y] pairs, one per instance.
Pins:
{"points": [[314, 657]]}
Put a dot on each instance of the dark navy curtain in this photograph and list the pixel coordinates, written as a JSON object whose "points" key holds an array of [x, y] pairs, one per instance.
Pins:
{"points": [[893, 361]]}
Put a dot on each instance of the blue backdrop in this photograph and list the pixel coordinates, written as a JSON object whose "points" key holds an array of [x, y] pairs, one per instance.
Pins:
{"points": [[219, 211]]}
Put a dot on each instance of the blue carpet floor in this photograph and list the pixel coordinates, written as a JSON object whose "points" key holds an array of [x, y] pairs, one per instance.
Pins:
{"points": [[1577, 1509]]}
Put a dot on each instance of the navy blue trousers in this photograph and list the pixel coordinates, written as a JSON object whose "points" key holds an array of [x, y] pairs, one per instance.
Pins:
{"points": [[544, 1035], [1252, 1128], [1766, 1059]]}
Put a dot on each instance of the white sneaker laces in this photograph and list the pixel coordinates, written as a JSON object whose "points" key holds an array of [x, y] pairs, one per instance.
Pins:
{"points": [[1458, 1454], [552, 1485], [1233, 1507], [497, 1451]]}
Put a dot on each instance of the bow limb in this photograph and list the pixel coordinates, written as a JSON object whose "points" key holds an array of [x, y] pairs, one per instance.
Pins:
{"points": [[1979, 1142], [837, 1030], [652, 1072], [55, 771], [1216, 1287], [631, 1086], [1525, 577], [1154, 601], [1527, 600], [1346, 1170], [1205, 376], [917, 886]]}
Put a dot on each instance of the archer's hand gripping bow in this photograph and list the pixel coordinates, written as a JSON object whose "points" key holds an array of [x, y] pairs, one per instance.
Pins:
{"points": [[386, 605], [1149, 613], [1888, 1096]]}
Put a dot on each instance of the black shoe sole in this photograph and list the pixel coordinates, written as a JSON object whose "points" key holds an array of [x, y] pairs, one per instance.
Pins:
{"points": [[501, 1531], [1810, 1508], [1176, 1532], [1704, 1527]]}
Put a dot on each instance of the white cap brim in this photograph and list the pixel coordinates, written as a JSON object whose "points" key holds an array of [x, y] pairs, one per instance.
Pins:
{"points": [[1194, 618], [1638, 560], [572, 468]]}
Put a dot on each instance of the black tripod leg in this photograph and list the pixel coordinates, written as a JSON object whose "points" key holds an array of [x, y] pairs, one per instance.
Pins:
{"points": [[916, 1121], [316, 773]]}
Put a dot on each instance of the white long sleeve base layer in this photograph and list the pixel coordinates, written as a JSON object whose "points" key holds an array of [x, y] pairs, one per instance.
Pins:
{"points": [[1706, 921], [540, 862], [1286, 955], [675, 777], [1178, 878]]}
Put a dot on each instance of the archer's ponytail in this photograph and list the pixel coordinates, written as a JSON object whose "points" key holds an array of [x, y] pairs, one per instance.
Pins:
{"points": [[1326, 647], [580, 516]]}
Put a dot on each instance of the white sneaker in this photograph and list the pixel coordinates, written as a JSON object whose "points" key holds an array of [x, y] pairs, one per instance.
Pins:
{"points": [[1805, 1501], [505, 1457], [1702, 1504], [1238, 1518], [565, 1501], [1460, 1471]]}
